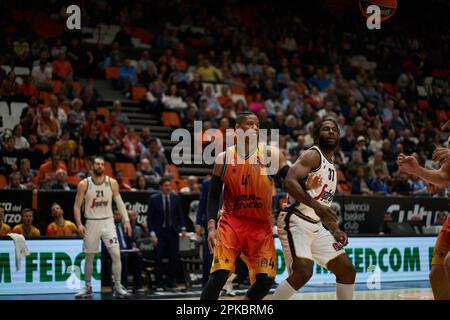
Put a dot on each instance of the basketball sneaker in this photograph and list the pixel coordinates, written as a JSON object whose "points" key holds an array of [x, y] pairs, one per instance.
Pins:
{"points": [[119, 291], [85, 293]]}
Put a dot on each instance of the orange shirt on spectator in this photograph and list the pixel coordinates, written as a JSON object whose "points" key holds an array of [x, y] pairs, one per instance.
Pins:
{"points": [[86, 128], [223, 99], [47, 171], [68, 229], [62, 69], [4, 229], [79, 165], [34, 232], [28, 90]]}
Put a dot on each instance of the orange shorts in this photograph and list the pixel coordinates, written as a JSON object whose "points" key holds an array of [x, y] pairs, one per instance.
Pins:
{"points": [[442, 246], [252, 238]]}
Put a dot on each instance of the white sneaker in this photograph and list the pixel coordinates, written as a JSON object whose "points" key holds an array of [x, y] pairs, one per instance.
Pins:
{"points": [[85, 293], [119, 291]]}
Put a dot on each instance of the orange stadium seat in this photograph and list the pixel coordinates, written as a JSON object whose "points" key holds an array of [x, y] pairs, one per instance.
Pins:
{"points": [[138, 93], [171, 119], [237, 90], [56, 86], [345, 188], [77, 86], [112, 73], [108, 169], [3, 182], [183, 183], [389, 87], [177, 184], [129, 171], [441, 115], [75, 179], [103, 111], [174, 171], [423, 104], [45, 96]]}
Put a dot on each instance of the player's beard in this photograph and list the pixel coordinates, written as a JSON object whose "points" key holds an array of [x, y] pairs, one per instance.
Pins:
{"points": [[324, 143], [98, 172]]}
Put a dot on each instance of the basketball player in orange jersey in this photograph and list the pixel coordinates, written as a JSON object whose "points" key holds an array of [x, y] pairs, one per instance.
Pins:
{"points": [[244, 225], [307, 226], [440, 263]]}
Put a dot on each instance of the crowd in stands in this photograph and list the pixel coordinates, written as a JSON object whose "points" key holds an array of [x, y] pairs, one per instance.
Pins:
{"points": [[389, 92]]}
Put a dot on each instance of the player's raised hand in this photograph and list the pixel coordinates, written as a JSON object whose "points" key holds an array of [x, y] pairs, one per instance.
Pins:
{"points": [[407, 164], [81, 230], [127, 227], [314, 181], [441, 154]]}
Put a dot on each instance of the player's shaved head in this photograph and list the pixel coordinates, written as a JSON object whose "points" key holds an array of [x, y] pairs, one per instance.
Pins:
{"points": [[242, 117]]}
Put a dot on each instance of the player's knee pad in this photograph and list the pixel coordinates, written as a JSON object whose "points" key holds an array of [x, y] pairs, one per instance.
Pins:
{"points": [[216, 281], [261, 287]]}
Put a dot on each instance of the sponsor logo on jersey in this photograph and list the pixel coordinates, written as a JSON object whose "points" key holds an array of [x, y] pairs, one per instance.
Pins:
{"points": [[99, 204], [247, 201], [327, 196], [264, 263]]}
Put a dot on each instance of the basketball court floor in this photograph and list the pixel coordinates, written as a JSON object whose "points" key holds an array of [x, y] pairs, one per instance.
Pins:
{"points": [[414, 290]]}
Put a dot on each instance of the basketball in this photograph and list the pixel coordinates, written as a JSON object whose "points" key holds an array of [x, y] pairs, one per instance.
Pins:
{"points": [[387, 8]]}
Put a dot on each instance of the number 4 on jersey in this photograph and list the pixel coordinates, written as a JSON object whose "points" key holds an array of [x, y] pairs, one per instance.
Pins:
{"points": [[245, 180]]}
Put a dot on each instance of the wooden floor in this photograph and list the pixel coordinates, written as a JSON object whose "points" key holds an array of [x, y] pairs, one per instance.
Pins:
{"points": [[397, 294], [388, 291]]}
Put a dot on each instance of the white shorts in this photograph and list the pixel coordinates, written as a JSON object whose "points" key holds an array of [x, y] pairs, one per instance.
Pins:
{"points": [[99, 229], [305, 239]]}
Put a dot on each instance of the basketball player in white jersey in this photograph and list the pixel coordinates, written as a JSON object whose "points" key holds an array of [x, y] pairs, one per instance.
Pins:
{"points": [[97, 192], [307, 226]]}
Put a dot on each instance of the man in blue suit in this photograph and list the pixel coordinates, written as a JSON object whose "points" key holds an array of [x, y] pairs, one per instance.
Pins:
{"points": [[201, 221], [165, 219]]}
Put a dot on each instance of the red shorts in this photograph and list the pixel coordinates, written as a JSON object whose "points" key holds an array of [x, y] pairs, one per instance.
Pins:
{"points": [[250, 237], [442, 246]]}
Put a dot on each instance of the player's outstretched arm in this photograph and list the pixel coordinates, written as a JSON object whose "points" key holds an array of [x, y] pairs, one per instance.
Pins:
{"points": [[298, 172], [410, 165], [121, 206], [79, 198], [213, 202]]}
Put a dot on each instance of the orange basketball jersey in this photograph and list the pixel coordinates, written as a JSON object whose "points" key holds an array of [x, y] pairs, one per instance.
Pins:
{"points": [[247, 186]]}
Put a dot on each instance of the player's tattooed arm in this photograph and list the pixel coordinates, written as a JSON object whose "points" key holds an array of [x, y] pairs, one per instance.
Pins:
{"points": [[308, 161], [81, 190]]}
